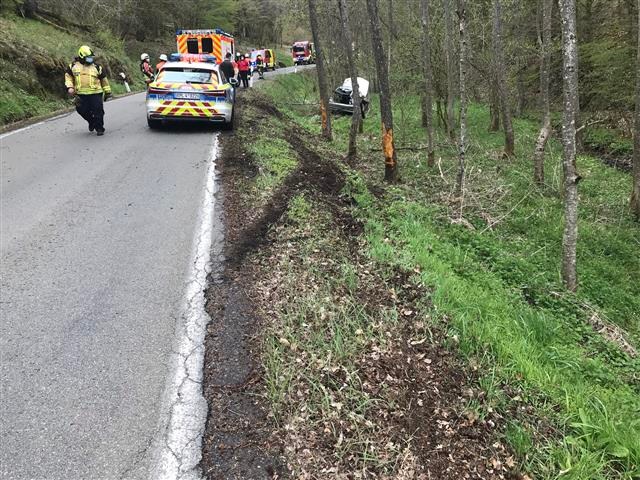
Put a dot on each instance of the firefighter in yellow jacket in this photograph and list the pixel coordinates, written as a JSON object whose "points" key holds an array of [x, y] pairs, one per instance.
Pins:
{"points": [[86, 81]]}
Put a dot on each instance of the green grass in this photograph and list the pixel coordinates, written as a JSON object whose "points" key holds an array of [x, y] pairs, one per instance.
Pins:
{"points": [[284, 55], [33, 56], [498, 282], [274, 159]]}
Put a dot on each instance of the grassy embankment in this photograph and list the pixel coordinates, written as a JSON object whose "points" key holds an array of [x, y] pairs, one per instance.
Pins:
{"points": [[494, 289], [33, 56]]}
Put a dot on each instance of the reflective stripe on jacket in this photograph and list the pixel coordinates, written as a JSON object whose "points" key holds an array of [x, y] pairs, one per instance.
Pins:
{"points": [[86, 79]]}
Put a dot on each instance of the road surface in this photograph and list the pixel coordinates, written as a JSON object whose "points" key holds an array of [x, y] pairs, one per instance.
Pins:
{"points": [[96, 236], [97, 240]]}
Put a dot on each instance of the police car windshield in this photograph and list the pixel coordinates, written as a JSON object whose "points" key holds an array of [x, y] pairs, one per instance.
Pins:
{"points": [[187, 75], [298, 48]]}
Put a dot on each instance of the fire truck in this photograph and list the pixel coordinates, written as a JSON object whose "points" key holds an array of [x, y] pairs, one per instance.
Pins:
{"points": [[210, 42], [303, 53]]}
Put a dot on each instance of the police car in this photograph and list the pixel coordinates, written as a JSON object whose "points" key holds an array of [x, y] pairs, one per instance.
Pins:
{"points": [[190, 87]]}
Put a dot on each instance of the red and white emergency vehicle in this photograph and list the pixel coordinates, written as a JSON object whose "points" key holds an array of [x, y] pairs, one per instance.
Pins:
{"points": [[303, 53], [208, 42]]}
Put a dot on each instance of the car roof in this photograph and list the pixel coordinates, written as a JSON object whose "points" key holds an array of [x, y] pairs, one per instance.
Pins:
{"points": [[200, 65]]}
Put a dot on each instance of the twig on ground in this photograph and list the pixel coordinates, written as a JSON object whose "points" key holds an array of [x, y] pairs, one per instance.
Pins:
{"points": [[491, 225]]}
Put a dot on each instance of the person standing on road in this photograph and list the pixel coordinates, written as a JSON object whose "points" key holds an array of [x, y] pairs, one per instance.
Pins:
{"points": [[243, 67], [227, 68], [146, 69], [163, 59], [260, 66], [86, 81]]}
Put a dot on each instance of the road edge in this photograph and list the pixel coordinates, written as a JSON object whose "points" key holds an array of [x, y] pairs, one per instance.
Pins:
{"points": [[183, 415], [38, 119]]}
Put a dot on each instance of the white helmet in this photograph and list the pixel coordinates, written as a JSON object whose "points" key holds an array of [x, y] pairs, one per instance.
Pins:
{"points": [[144, 56], [163, 57]]}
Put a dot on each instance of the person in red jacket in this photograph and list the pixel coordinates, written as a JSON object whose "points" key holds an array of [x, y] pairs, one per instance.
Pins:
{"points": [[244, 67]]}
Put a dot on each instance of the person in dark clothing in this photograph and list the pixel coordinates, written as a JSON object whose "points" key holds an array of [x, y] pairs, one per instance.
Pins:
{"points": [[227, 68], [87, 82], [260, 66], [243, 67]]}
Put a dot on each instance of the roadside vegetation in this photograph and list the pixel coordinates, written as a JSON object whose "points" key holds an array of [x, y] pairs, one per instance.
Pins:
{"points": [[40, 38], [551, 379], [33, 56]]}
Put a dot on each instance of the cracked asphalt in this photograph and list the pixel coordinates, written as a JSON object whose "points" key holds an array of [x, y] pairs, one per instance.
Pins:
{"points": [[97, 244]]}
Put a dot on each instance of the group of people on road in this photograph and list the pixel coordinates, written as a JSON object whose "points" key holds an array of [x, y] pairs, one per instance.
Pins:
{"points": [[87, 82], [147, 70], [241, 68]]}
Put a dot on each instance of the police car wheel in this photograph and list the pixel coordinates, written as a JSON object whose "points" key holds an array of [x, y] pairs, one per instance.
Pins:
{"points": [[154, 124]]}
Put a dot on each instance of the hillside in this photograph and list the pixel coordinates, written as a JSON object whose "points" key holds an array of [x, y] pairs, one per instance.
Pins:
{"points": [[395, 340], [34, 54]]}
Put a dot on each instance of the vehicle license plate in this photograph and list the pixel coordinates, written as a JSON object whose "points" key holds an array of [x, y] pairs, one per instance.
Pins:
{"points": [[188, 96]]}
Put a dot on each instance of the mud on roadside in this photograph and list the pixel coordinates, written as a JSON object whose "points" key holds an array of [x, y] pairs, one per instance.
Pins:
{"points": [[418, 424]]}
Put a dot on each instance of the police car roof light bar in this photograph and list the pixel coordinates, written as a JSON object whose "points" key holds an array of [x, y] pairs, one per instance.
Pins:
{"points": [[192, 57]]}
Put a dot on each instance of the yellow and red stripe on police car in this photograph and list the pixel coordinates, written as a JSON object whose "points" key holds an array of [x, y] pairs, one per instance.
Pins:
{"points": [[186, 108]]}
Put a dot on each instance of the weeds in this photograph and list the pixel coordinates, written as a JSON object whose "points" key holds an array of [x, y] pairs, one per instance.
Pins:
{"points": [[496, 285]]}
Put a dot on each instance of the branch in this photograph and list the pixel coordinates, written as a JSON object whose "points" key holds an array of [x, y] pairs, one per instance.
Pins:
{"points": [[590, 124]]}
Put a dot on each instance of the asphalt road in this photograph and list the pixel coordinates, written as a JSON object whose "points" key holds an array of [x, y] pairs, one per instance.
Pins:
{"points": [[95, 240]]}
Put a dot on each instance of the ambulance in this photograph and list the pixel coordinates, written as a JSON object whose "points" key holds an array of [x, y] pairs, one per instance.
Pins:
{"points": [[208, 42]]}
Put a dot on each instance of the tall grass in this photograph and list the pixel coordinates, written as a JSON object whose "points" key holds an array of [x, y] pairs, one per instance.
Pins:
{"points": [[496, 281]]}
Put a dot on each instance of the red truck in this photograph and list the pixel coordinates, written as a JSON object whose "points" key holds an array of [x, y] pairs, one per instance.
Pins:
{"points": [[303, 53]]}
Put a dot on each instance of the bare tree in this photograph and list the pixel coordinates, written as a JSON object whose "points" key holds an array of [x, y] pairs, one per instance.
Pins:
{"points": [[545, 60], [635, 194], [451, 70], [494, 109], [462, 143], [571, 177], [320, 67], [501, 78], [353, 72], [386, 114], [428, 80]]}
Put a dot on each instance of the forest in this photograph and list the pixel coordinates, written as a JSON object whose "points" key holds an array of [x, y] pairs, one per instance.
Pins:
{"points": [[486, 224]]}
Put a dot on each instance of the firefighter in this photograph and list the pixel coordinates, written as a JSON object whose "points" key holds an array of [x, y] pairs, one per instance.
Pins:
{"points": [[163, 59], [86, 81], [260, 67], [146, 69]]}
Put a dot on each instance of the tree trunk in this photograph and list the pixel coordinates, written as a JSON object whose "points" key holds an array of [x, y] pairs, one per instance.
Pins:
{"points": [[635, 194], [451, 70], [423, 109], [428, 80], [391, 34], [462, 144], [494, 110], [356, 118], [503, 92], [386, 114], [442, 120], [571, 177], [522, 94], [322, 74], [545, 61]]}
